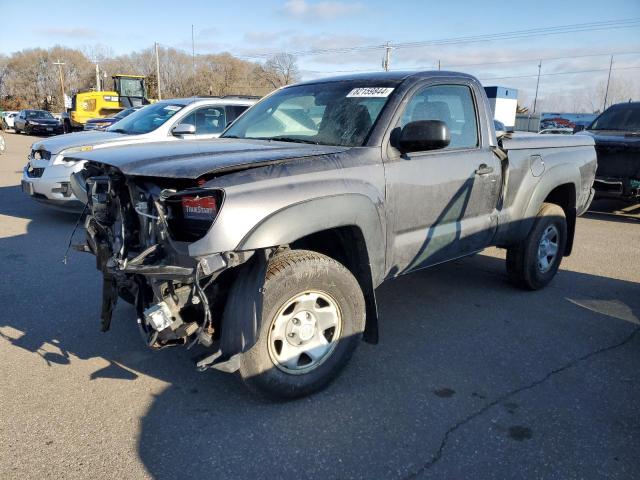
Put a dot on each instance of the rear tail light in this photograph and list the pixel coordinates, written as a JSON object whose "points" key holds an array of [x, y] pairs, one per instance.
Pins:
{"points": [[192, 213]]}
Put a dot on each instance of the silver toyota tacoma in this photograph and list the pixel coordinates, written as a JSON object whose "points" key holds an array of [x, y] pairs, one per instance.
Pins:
{"points": [[264, 249]]}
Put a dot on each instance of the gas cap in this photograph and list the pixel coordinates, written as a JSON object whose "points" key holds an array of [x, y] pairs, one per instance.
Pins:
{"points": [[537, 165]]}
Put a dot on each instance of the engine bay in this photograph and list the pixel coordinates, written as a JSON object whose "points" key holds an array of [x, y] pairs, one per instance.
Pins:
{"points": [[139, 233]]}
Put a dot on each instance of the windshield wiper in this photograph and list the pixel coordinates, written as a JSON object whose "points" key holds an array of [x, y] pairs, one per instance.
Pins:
{"points": [[118, 130], [290, 139]]}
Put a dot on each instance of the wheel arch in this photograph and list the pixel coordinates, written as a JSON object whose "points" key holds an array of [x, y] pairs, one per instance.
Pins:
{"points": [[565, 197], [346, 228], [559, 185]]}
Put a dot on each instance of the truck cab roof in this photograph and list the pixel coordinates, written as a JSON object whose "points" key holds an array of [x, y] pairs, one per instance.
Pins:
{"points": [[394, 76]]}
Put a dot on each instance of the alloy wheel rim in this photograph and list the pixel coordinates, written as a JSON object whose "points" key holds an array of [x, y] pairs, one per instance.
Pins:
{"points": [[304, 332], [548, 248]]}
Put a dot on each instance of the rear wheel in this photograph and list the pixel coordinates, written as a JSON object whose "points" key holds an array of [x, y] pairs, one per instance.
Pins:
{"points": [[533, 263], [313, 317]]}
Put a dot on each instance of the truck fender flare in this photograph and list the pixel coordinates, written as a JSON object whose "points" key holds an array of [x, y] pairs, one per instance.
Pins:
{"points": [[320, 214], [551, 179]]}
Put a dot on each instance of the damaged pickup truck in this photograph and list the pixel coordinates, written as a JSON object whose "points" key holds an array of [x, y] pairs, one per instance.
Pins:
{"points": [[265, 247]]}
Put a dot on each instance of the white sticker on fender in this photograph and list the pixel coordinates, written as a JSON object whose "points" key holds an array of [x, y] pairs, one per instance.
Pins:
{"points": [[380, 92]]}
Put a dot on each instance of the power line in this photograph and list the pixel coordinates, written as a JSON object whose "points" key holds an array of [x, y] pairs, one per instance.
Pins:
{"points": [[561, 29], [501, 62], [572, 72], [617, 54]]}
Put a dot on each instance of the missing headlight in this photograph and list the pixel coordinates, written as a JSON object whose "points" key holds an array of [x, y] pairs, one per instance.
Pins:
{"points": [[192, 212]]}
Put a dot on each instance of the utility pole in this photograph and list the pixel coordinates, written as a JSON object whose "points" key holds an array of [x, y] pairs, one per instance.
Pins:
{"points": [[60, 64], [386, 62], [535, 99], [193, 50], [158, 72], [606, 91], [438, 65], [98, 89]]}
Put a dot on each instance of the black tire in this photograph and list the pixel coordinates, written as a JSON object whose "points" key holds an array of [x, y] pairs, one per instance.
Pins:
{"points": [[289, 274], [15, 130], [523, 265]]}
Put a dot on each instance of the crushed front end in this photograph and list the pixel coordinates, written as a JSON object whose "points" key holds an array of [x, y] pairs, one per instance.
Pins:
{"points": [[139, 230]]}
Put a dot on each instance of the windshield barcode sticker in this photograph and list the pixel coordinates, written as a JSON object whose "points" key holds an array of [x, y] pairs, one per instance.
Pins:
{"points": [[380, 92]]}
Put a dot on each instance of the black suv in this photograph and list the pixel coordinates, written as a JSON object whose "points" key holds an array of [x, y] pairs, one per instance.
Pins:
{"points": [[37, 121]]}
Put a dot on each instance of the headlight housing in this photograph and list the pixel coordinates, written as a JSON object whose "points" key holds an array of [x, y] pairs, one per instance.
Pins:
{"points": [[192, 212], [59, 160]]}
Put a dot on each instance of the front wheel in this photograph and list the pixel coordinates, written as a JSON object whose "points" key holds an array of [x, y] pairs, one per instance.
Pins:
{"points": [[313, 316], [533, 263]]}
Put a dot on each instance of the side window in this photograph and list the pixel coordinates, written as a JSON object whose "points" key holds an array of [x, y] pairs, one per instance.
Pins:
{"points": [[207, 120], [451, 104], [234, 111]]}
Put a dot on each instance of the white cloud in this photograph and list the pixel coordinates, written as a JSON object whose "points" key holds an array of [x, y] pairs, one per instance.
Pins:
{"points": [[72, 32], [326, 9]]}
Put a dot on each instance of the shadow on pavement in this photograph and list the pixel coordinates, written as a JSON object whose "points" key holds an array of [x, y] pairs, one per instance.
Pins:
{"points": [[614, 210]]}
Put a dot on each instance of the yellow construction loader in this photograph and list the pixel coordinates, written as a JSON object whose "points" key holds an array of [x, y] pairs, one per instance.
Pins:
{"points": [[128, 91]]}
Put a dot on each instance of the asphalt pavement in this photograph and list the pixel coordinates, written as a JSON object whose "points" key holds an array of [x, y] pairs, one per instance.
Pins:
{"points": [[472, 378]]}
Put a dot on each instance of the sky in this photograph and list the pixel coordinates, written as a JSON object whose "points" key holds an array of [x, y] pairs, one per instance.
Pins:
{"points": [[252, 28]]}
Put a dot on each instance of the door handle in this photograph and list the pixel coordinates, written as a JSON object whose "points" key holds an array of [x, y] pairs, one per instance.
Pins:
{"points": [[484, 169]]}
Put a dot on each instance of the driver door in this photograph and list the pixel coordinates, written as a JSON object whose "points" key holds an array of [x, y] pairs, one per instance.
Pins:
{"points": [[441, 202]]}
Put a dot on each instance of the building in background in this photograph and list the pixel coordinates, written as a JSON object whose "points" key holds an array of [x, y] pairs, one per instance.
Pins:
{"points": [[504, 102]]}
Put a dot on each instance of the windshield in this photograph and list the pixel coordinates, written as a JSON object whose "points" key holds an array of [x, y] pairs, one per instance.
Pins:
{"points": [[339, 113], [146, 119], [131, 87], [124, 113], [620, 117], [38, 114]]}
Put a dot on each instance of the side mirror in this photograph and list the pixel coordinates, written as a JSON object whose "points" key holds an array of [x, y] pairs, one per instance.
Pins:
{"points": [[183, 129], [578, 128], [424, 135]]}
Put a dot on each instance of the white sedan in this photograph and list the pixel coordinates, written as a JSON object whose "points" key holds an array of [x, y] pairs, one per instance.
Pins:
{"points": [[8, 119], [46, 176]]}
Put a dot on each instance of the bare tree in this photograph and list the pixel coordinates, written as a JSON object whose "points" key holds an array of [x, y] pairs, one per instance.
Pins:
{"points": [[29, 79], [280, 70]]}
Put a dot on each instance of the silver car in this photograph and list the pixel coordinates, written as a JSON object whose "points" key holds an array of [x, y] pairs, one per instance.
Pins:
{"points": [[46, 176]]}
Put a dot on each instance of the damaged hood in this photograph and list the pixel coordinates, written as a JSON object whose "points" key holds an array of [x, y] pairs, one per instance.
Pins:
{"points": [[192, 159], [78, 139]]}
